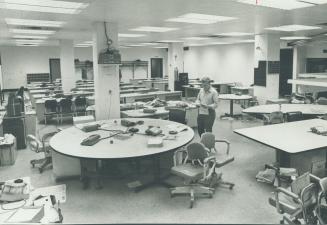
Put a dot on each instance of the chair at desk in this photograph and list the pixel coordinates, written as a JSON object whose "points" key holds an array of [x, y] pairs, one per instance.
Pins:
{"points": [[298, 202], [222, 157], [65, 108], [177, 115], [273, 118], [321, 210], [51, 109], [38, 146], [80, 105], [294, 116], [193, 164]]}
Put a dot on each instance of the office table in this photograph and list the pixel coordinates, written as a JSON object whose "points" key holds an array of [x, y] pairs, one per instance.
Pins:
{"points": [[130, 147], [160, 112], [163, 95], [308, 109], [231, 98], [295, 145], [242, 89], [138, 90]]}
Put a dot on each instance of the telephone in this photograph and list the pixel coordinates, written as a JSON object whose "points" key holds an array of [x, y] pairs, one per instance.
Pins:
{"points": [[91, 140], [153, 131]]}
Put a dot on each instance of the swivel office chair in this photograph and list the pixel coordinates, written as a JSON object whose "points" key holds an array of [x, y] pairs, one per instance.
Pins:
{"points": [[80, 105], [222, 157], [273, 118], [37, 146], [65, 108], [193, 164], [51, 109], [294, 116], [321, 210], [177, 115], [297, 203]]}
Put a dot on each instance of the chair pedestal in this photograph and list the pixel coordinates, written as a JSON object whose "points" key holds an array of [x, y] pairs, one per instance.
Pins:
{"points": [[192, 190]]}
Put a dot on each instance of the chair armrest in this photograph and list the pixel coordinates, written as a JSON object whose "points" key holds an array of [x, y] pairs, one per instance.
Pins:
{"points": [[179, 152], [226, 142], [208, 169], [314, 178], [287, 192], [46, 136], [210, 158]]}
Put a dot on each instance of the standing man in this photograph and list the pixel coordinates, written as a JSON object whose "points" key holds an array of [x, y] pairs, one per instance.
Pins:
{"points": [[207, 101]]}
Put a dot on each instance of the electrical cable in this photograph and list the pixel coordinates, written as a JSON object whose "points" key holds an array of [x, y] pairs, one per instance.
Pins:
{"points": [[109, 41]]}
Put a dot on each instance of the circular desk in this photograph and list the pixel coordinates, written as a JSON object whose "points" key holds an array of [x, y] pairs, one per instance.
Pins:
{"points": [[231, 98], [123, 146], [308, 109]]}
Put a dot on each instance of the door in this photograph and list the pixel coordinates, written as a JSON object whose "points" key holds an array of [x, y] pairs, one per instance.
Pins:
{"points": [[156, 68], [286, 71], [54, 69]]}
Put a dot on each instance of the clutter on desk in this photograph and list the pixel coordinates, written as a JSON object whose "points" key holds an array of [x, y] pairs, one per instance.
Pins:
{"points": [[153, 131], [149, 110], [157, 103], [127, 123], [155, 142], [176, 128], [319, 130], [91, 140]]}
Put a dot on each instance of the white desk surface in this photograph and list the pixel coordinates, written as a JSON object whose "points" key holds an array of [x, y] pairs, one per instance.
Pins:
{"points": [[234, 97], [311, 109], [320, 82], [68, 141], [242, 88], [149, 94], [138, 113], [292, 137]]}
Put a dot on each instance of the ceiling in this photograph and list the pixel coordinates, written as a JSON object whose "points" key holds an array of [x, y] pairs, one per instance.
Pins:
{"points": [[129, 14]]}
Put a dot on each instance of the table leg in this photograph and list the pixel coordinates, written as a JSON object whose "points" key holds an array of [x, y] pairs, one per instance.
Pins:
{"points": [[231, 105]]}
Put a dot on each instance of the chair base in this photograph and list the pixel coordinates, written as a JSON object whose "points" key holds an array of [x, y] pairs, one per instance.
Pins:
{"points": [[218, 181], [45, 162], [192, 190]]}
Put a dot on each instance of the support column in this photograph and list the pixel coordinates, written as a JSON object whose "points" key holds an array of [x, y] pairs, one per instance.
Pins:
{"points": [[67, 66], [267, 48], [175, 63], [106, 76]]}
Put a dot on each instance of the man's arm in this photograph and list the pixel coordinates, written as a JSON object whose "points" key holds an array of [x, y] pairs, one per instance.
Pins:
{"points": [[215, 99]]}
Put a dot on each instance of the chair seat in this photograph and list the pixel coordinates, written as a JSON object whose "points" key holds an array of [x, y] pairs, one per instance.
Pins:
{"points": [[286, 203], [188, 171], [222, 159]]}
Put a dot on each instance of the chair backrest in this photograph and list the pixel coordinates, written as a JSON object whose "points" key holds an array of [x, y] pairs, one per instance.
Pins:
{"points": [[208, 139], [65, 105], [80, 101], [294, 116], [196, 151], [323, 185], [51, 105], [177, 115], [276, 117], [33, 143], [59, 95]]}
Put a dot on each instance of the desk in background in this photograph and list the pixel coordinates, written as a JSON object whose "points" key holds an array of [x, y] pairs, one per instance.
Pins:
{"points": [[295, 145], [232, 98]]}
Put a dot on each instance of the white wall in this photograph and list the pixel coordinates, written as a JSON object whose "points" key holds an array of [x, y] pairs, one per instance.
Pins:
{"points": [[222, 63], [143, 54]]}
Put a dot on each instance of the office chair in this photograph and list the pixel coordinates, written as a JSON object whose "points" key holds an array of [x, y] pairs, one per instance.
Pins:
{"points": [[51, 109], [293, 116], [321, 210], [37, 146], [283, 175], [177, 115], [321, 101], [222, 158], [298, 202], [65, 108], [193, 164], [80, 105], [273, 118]]}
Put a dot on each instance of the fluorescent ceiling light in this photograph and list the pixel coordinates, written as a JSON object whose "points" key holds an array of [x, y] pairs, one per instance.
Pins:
{"points": [[160, 47], [26, 44], [170, 41], [279, 4], [289, 38], [49, 6], [30, 37], [217, 43], [196, 38], [40, 23], [154, 29], [199, 18], [246, 41], [29, 41], [149, 43], [131, 35], [29, 31], [82, 46], [234, 34], [294, 27]]}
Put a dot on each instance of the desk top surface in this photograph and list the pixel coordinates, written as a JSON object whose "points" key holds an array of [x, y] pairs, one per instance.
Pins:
{"points": [[292, 137], [138, 113], [125, 146], [311, 109], [241, 87], [234, 97], [149, 94]]}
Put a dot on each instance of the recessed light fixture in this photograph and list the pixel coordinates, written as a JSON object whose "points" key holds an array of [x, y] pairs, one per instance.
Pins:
{"points": [[290, 38], [294, 27], [197, 18], [27, 44], [154, 29], [170, 41], [29, 31], [39, 23], [28, 40], [196, 38], [30, 37], [49, 6], [149, 43], [280, 4], [160, 47], [235, 34], [131, 35]]}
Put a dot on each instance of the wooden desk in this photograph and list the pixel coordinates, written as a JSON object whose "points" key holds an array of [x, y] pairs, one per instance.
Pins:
{"points": [[231, 98], [309, 109], [131, 147], [296, 146]]}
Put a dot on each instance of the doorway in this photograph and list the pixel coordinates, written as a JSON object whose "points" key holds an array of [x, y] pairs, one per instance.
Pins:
{"points": [[54, 65], [156, 68], [286, 71]]}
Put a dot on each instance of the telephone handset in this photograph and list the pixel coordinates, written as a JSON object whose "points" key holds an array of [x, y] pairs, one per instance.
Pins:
{"points": [[91, 140]]}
